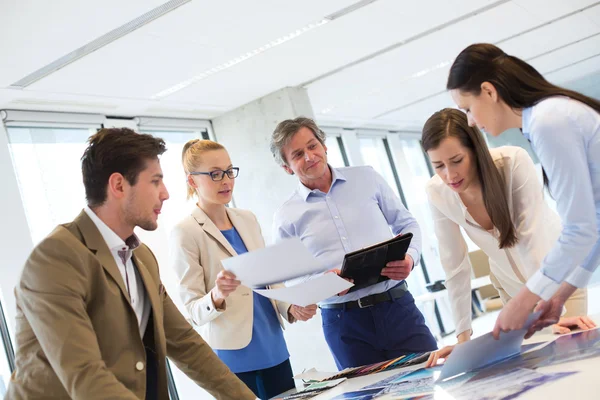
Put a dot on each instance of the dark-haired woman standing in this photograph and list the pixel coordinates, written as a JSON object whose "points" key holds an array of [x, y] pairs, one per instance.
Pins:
{"points": [[498, 92], [495, 196]]}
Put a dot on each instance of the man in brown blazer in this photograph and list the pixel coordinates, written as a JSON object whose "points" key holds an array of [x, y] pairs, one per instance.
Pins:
{"points": [[93, 319]]}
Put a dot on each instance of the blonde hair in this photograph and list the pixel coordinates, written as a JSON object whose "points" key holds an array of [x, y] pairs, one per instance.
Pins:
{"points": [[191, 157]]}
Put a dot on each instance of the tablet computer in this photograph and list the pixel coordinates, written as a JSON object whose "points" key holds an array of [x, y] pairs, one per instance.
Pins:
{"points": [[364, 266]]}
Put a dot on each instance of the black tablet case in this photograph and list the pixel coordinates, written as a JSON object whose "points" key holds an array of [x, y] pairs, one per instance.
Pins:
{"points": [[364, 266]]}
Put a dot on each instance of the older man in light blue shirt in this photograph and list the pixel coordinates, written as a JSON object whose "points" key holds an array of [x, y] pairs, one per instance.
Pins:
{"points": [[336, 211]]}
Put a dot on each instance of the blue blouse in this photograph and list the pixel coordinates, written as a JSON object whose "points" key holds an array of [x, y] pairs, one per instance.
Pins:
{"points": [[267, 347]]}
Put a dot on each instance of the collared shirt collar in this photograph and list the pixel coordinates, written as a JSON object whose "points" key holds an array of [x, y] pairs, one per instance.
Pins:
{"points": [[113, 241], [526, 123], [336, 175]]}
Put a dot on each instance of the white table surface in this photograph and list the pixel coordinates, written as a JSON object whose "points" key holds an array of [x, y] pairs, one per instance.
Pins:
{"points": [[583, 385]]}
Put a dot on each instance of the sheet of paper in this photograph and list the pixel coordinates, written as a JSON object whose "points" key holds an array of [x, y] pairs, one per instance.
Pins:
{"points": [[314, 375], [484, 350], [309, 292], [273, 264]]}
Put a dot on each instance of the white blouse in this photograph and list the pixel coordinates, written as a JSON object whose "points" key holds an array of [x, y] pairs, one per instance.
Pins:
{"points": [[537, 229]]}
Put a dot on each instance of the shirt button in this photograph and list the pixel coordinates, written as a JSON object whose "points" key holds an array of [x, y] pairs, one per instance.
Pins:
{"points": [[336, 217], [139, 366], [208, 308], [343, 237]]}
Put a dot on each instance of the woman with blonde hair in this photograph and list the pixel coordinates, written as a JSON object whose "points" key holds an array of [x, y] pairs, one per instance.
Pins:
{"points": [[243, 327], [495, 196]]}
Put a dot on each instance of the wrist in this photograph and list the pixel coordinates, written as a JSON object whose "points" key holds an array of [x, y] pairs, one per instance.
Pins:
{"points": [[216, 299], [464, 336]]}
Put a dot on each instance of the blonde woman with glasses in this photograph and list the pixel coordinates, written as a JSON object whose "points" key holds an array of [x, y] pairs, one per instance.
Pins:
{"points": [[243, 327]]}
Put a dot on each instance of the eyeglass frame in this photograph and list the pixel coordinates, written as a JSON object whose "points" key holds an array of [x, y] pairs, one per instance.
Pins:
{"points": [[223, 173]]}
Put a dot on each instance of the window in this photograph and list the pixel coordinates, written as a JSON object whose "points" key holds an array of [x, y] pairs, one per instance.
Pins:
{"points": [[415, 174], [48, 167], [7, 357], [335, 156], [374, 154]]}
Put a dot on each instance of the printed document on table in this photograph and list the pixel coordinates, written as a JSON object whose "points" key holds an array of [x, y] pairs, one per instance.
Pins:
{"points": [[308, 292], [283, 261], [485, 350]]}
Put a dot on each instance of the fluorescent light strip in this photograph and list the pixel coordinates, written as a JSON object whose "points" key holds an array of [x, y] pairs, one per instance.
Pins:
{"points": [[98, 43], [261, 49], [239, 59]]}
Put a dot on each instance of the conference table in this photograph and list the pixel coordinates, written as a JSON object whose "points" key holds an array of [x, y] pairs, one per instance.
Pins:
{"points": [[583, 385]]}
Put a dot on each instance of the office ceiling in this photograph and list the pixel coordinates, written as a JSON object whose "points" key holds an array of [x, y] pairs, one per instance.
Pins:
{"points": [[374, 63]]}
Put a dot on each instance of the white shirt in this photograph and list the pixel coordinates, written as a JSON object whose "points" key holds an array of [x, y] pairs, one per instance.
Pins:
{"points": [[565, 134], [131, 277], [537, 228]]}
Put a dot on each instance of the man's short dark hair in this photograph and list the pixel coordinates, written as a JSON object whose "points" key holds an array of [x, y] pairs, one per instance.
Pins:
{"points": [[116, 150]]}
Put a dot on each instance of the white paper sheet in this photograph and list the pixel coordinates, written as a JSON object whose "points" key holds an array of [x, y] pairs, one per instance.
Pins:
{"points": [[308, 292], [484, 350], [314, 375], [273, 264]]}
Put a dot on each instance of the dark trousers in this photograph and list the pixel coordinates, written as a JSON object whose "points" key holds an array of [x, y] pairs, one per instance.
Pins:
{"points": [[269, 382], [361, 336]]}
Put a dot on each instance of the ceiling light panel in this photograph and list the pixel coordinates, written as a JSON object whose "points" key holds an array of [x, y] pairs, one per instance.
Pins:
{"points": [[566, 55], [195, 37], [390, 73], [333, 45], [551, 36], [62, 32], [551, 9], [259, 50]]}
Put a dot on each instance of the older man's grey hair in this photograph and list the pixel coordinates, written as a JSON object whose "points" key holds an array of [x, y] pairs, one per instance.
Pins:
{"points": [[284, 132]]}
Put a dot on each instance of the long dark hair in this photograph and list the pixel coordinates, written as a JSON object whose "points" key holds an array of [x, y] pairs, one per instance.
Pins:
{"points": [[450, 122], [518, 84]]}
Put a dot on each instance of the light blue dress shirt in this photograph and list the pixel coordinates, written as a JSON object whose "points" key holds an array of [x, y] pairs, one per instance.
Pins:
{"points": [[359, 210], [565, 135]]}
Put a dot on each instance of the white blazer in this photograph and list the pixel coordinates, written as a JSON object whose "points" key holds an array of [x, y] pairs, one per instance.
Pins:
{"points": [[537, 229], [197, 248]]}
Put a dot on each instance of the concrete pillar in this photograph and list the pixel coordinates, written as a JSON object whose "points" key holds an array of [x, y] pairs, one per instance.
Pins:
{"points": [[262, 185]]}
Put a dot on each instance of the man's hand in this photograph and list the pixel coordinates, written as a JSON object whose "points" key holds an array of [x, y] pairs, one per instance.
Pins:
{"points": [[565, 325], [302, 313], [338, 272], [225, 284], [398, 270], [514, 314]]}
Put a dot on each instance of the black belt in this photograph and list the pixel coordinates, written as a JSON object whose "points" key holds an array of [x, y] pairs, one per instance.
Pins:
{"points": [[368, 301]]}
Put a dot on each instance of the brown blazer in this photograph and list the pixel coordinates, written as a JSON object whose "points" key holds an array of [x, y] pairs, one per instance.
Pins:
{"points": [[78, 337]]}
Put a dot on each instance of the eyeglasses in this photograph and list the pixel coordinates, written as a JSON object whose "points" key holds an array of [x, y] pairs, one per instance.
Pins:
{"points": [[219, 174]]}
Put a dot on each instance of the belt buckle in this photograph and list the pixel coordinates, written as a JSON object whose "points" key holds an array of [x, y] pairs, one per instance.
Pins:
{"points": [[368, 302]]}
